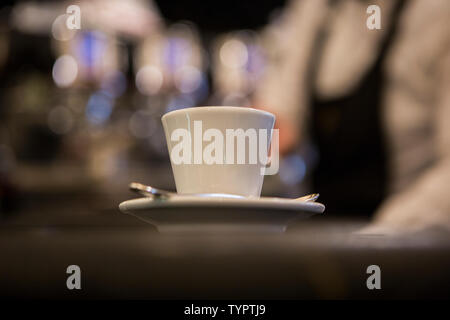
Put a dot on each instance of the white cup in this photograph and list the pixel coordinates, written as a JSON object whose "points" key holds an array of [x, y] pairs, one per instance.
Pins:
{"points": [[195, 171]]}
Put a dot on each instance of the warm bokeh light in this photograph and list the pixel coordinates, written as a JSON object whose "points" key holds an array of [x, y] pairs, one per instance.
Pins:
{"points": [[60, 31], [149, 80], [234, 54], [65, 71]]}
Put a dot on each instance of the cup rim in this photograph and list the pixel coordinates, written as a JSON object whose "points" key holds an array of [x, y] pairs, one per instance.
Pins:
{"points": [[218, 108]]}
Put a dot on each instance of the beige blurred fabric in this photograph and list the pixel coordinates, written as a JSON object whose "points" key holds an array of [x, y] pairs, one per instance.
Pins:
{"points": [[416, 101]]}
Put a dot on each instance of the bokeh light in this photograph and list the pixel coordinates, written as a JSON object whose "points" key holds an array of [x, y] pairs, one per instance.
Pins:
{"points": [[60, 31], [292, 169], [99, 108], [233, 53], [188, 79], [177, 53], [65, 71], [149, 80], [60, 120]]}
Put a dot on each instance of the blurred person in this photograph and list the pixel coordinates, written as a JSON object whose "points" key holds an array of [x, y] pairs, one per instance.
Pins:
{"points": [[357, 92]]}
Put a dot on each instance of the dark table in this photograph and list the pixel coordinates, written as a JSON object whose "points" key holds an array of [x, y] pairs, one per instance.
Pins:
{"points": [[122, 257]]}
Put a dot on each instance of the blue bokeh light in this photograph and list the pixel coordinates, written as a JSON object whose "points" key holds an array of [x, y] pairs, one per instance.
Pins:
{"points": [[99, 108]]}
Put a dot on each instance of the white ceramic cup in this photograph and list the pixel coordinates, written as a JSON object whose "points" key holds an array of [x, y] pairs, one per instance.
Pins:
{"points": [[196, 175]]}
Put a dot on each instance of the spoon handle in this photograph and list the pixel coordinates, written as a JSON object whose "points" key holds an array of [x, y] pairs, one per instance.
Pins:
{"points": [[310, 197], [149, 191]]}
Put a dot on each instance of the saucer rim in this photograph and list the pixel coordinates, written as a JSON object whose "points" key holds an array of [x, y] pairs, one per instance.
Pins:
{"points": [[268, 203], [268, 217]]}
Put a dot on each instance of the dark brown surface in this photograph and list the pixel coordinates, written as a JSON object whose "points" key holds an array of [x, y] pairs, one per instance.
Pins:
{"points": [[121, 257]]}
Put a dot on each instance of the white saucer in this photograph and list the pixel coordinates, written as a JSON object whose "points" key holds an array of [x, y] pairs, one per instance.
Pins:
{"points": [[220, 214]]}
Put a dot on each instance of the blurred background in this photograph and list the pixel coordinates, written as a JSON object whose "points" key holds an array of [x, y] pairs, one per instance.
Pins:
{"points": [[80, 109]]}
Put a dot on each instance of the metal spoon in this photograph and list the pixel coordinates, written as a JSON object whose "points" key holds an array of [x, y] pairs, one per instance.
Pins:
{"points": [[309, 197], [149, 191]]}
